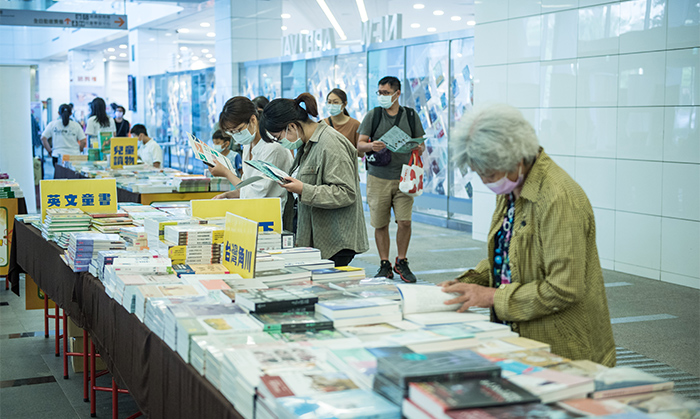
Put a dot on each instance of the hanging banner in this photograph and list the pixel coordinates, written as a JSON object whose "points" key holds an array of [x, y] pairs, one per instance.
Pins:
{"points": [[8, 210], [265, 211], [93, 195], [122, 152], [240, 245]]}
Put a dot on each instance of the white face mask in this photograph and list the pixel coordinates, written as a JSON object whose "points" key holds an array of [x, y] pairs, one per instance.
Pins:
{"points": [[386, 101], [219, 147], [289, 145], [244, 137], [334, 109]]}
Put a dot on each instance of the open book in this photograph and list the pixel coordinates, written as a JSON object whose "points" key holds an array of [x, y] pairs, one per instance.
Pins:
{"points": [[207, 154], [269, 170], [397, 141], [425, 305]]}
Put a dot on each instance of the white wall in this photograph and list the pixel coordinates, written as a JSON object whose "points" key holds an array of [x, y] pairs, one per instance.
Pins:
{"points": [[117, 84], [613, 90], [54, 83], [15, 125]]}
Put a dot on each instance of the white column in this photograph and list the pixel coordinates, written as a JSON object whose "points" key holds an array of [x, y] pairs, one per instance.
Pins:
{"points": [[16, 128]]}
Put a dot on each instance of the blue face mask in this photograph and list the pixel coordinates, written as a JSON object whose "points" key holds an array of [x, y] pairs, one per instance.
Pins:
{"points": [[335, 109], [291, 145], [244, 137]]}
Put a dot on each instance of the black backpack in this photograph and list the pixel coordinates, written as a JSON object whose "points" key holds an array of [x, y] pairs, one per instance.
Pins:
{"points": [[383, 157]]}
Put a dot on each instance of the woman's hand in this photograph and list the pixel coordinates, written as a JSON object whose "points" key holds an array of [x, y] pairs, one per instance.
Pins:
{"points": [[225, 195], [219, 170], [448, 283], [293, 185], [472, 295]]}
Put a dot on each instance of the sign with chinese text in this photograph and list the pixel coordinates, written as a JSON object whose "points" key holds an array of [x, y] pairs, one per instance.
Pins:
{"points": [[8, 210], [265, 211], [14, 17], [93, 195], [240, 245], [122, 152]]}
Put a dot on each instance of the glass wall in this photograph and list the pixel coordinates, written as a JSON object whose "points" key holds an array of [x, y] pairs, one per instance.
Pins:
{"points": [[383, 62], [321, 80], [350, 70], [271, 81], [293, 79]]}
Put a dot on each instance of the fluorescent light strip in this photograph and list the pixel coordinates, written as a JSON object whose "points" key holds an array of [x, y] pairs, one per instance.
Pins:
{"points": [[363, 11], [331, 18]]}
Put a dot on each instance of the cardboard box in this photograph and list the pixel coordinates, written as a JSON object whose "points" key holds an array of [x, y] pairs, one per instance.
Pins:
{"points": [[73, 330], [76, 345]]}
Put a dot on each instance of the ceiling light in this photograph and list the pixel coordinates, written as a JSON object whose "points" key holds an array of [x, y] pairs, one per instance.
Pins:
{"points": [[204, 50], [122, 54], [438, 12], [285, 16], [183, 30], [212, 60], [211, 34], [284, 28], [104, 59], [331, 18], [419, 6], [168, 34], [432, 29], [195, 58], [112, 57], [123, 46], [208, 55], [363, 11], [456, 18], [471, 22], [205, 24], [415, 25], [183, 48], [151, 39], [304, 31], [110, 49]]}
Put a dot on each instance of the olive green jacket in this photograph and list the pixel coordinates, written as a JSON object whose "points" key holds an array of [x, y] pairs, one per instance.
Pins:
{"points": [[330, 215], [556, 295]]}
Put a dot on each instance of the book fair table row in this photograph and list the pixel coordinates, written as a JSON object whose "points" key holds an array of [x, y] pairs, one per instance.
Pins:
{"points": [[161, 383]]}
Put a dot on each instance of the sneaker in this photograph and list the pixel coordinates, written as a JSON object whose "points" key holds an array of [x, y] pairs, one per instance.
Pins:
{"points": [[385, 270], [401, 268]]}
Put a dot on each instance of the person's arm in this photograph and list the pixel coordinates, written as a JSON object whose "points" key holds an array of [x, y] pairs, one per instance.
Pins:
{"points": [[45, 141], [228, 195], [219, 170], [563, 232], [82, 139], [356, 142], [157, 155]]}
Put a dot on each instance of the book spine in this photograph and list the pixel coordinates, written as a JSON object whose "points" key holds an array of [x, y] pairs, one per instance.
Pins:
{"points": [[306, 304], [619, 392]]}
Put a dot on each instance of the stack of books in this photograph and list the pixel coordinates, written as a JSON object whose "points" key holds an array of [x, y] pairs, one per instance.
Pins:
{"points": [[84, 247], [224, 324], [219, 184], [293, 322], [121, 287], [135, 237], [288, 275], [110, 223], [61, 221], [276, 300], [275, 241], [191, 183], [9, 188], [266, 262], [200, 254], [340, 273], [355, 311]]}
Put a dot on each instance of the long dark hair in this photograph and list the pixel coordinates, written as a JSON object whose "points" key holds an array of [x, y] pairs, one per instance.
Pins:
{"points": [[99, 111], [237, 111], [281, 112], [65, 112], [342, 96]]}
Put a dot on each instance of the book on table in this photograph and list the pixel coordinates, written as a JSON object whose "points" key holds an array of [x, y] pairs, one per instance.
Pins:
{"points": [[292, 321], [519, 411], [623, 381], [361, 404], [276, 300], [552, 386], [350, 306], [425, 305]]}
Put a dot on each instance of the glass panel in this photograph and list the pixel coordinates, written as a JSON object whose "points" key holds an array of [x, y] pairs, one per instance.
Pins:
{"points": [[426, 90], [462, 100], [384, 62], [248, 81], [293, 79], [321, 73], [271, 81], [351, 77]]}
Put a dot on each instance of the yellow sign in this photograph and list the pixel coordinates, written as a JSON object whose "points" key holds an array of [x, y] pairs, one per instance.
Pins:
{"points": [[8, 210], [94, 195], [240, 245], [266, 211], [122, 152]]}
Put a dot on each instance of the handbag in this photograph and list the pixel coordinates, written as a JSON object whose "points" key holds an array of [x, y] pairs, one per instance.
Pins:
{"points": [[411, 182]]}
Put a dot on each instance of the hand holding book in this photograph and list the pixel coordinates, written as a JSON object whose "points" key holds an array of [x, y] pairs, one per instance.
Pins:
{"points": [[471, 295]]}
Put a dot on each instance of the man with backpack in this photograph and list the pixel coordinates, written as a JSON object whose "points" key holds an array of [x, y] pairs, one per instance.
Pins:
{"points": [[384, 174]]}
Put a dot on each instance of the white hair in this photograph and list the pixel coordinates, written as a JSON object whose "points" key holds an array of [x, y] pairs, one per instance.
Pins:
{"points": [[494, 139]]}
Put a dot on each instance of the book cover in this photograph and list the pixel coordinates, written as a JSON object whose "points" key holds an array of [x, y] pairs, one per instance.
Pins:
{"points": [[293, 321], [275, 300], [439, 397], [622, 381], [551, 386], [360, 404], [520, 411]]}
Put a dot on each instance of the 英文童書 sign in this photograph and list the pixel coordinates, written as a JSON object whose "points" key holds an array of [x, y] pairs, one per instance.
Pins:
{"points": [[12, 17]]}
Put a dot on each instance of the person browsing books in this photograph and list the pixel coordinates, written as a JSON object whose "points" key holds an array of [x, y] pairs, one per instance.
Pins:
{"points": [[67, 135], [122, 126], [222, 144], [542, 275], [150, 151], [324, 177], [384, 176], [240, 120], [99, 123], [340, 119]]}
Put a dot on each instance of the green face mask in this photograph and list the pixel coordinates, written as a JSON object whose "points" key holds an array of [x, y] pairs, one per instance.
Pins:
{"points": [[291, 145]]}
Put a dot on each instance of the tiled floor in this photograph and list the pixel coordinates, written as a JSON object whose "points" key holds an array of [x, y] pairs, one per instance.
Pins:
{"points": [[655, 319]]}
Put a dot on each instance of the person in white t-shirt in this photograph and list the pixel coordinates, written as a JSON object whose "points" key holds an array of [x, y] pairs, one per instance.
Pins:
{"points": [[150, 151], [239, 119], [99, 123], [67, 135]]}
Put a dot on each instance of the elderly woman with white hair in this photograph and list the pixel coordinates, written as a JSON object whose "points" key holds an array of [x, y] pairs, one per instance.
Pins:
{"points": [[542, 275]]}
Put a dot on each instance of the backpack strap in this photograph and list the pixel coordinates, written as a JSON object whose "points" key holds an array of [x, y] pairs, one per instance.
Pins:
{"points": [[330, 122], [410, 115], [376, 119]]}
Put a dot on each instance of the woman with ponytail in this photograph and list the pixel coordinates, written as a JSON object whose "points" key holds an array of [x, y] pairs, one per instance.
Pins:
{"points": [[340, 119], [239, 120], [67, 135], [99, 122], [324, 177]]}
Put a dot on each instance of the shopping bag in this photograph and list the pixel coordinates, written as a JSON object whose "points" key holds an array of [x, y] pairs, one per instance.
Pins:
{"points": [[412, 175]]}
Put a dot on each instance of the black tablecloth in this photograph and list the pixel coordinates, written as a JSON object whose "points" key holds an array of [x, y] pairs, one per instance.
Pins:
{"points": [[162, 384]]}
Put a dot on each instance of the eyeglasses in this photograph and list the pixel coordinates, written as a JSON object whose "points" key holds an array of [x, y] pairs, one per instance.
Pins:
{"points": [[236, 131], [384, 93]]}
